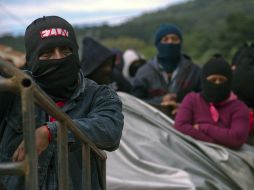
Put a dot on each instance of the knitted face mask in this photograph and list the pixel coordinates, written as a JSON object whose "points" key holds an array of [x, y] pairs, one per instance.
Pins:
{"points": [[169, 56], [215, 92], [57, 77]]}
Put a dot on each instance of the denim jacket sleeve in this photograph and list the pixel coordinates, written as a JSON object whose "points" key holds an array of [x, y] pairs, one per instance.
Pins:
{"points": [[104, 121]]}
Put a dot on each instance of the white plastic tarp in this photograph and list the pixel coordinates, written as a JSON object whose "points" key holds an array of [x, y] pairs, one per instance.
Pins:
{"points": [[153, 155]]}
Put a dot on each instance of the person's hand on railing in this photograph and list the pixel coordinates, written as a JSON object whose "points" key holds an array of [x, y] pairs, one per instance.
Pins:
{"points": [[168, 98], [172, 105], [42, 142]]}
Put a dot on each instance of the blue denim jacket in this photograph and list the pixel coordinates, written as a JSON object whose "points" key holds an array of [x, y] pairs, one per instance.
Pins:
{"points": [[96, 110]]}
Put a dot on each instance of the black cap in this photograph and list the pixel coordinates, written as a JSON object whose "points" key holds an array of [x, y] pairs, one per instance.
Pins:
{"points": [[165, 29], [48, 32], [217, 65]]}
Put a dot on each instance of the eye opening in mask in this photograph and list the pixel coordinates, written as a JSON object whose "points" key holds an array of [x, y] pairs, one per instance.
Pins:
{"points": [[55, 53], [170, 39], [217, 79]]}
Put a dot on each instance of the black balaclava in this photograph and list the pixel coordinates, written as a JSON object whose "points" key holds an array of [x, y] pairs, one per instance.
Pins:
{"points": [[57, 77], [168, 55], [216, 93]]}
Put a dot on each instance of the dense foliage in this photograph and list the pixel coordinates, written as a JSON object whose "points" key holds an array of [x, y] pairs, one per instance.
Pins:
{"points": [[209, 26]]}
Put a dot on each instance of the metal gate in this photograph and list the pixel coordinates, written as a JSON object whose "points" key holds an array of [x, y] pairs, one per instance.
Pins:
{"points": [[18, 82]]}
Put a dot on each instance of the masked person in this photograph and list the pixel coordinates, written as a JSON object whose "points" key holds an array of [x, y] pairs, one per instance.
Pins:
{"points": [[215, 115], [53, 62], [133, 60], [170, 75], [243, 80], [97, 64]]}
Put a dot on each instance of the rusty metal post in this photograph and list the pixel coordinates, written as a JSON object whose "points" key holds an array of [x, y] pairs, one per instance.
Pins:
{"points": [[63, 161], [12, 168], [48, 105], [5, 84], [27, 100], [86, 167]]}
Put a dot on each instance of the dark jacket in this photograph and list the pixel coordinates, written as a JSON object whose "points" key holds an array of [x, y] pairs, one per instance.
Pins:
{"points": [[122, 84], [150, 84], [96, 111]]}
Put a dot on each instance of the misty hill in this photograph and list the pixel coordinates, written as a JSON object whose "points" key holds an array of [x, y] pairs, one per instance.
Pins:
{"points": [[209, 26]]}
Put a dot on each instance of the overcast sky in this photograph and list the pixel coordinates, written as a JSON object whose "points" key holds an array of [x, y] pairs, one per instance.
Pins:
{"points": [[15, 15]]}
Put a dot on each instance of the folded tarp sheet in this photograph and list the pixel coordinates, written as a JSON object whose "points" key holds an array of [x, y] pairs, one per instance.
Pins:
{"points": [[153, 155]]}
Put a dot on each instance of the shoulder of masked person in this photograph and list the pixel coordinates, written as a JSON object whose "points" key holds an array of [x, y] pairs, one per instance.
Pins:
{"points": [[91, 88]]}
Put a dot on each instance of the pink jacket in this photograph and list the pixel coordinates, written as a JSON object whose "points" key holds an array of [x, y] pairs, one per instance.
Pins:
{"points": [[230, 130]]}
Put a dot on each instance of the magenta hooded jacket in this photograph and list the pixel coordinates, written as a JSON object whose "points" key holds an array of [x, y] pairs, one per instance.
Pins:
{"points": [[231, 130]]}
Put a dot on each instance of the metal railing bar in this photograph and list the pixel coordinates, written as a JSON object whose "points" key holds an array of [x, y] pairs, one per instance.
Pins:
{"points": [[62, 155], [43, 101], [86, 167], [48, 105], [13, 168], [27, 106], [9, 84], [5, 84], [18, 81], [9, 70]]}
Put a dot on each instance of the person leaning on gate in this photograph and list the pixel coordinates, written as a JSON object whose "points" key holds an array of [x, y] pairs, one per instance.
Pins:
{"points": [[170, 75], [53, 62]]}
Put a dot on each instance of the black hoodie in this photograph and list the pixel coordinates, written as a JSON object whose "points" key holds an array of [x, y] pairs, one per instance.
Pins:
{"points": [[94, 55]]}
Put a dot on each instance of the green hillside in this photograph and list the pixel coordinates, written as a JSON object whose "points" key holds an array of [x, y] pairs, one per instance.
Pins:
{"points": [[209, 26]]}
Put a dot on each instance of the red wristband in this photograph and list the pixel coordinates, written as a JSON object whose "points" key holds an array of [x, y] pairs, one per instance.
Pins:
{"points": [[49, 134]]}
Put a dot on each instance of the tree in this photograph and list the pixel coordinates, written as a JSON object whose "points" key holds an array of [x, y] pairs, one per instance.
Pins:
{"points": [[238, 29]]}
